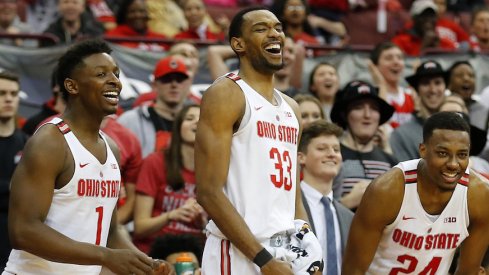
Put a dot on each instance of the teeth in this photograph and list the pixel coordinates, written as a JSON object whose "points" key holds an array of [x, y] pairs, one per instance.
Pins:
{"points": [[111, 94], [273, 47], [450, 175]]}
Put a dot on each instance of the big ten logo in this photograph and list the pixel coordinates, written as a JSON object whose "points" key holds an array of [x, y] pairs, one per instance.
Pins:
{"points": [[450, 220], [288, 114]]}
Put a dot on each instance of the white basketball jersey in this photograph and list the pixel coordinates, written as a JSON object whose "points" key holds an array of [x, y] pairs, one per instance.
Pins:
{"points": [[81, 210], [414, 243], [261, 182]]}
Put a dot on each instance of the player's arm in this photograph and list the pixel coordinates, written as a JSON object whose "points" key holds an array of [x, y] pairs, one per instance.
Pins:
{"points": [[475, 245], [32, 189], [222, 106], [300, 211], [378, 208]]}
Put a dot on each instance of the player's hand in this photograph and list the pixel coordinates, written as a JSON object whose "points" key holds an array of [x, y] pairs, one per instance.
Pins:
{"points": [[275, 266], [161, 267], [128, 261]]}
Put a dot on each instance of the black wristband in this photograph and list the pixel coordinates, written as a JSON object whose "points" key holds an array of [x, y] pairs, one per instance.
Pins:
{"points": [[262, 257]]}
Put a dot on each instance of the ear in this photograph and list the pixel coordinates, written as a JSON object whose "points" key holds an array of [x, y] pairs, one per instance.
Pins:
{"points": [[71, 86], [302, 158], [422, 150], [238, 45]]}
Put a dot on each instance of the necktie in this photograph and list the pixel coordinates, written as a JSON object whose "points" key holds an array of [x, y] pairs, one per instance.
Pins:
{"points": [[331, 257]]}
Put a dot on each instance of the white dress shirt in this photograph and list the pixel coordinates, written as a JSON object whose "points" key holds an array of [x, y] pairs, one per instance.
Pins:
{"points": [[313, 198]]}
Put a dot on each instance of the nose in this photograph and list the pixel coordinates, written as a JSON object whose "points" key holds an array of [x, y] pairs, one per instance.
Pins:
{"points": [[452, 163], [114, 80]]}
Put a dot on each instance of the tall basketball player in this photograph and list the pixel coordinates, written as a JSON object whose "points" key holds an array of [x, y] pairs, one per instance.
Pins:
{"points": [[412, 218], [62, 216], [246, 155]]}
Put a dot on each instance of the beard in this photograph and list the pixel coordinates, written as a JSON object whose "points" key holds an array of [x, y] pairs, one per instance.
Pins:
{"points": [[261, 64]]}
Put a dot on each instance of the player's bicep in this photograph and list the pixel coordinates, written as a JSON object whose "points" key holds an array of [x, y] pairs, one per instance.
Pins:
{"points": [[378, 208], [219, 112], [33, 181]]}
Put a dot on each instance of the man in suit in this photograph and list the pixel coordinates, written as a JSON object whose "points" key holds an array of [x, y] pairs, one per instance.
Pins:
{"points": [[320, 158]]}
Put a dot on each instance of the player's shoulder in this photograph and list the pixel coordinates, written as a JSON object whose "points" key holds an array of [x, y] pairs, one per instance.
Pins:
{"points": [[47, 135], [478, 187], [390, 183], [223, 86], [478, 197], [47, 143], [224, 95]]}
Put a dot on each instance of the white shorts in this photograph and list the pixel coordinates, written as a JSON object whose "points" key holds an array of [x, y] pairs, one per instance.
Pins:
{"points": [[222, 258]]}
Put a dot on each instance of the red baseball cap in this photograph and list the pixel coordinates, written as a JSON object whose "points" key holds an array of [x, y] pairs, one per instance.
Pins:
{"points": [[169, 65]]}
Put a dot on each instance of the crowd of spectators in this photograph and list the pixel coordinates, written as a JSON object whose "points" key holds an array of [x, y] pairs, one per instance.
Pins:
{"points": [[381, 121]]}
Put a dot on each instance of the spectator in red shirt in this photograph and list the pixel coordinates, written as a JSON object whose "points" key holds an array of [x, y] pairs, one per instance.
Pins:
{"points": [[449, 29], [165, 200], [132, 21], [198, 27], [422, 35]]}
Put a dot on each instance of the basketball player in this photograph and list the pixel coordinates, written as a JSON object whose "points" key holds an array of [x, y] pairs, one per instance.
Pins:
{"points": [[246, 153], [62, 217], [412, 218]]}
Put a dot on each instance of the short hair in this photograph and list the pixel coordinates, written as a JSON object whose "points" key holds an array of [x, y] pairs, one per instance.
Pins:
{"points": [[174, 243], [445, 121], [74, 57], [454, 66], [318, 65], [299, 98], [318, 128], [8, 75], [235, 28], [379, 49]]}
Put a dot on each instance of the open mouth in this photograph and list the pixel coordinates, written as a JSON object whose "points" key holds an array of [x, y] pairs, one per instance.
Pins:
{"points": [[112, 96], [274, 49], [450, 177]]}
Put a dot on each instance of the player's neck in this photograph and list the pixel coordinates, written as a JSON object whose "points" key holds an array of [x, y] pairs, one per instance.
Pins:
{"points": [[261, 83], [7, 126], [82, 123]]}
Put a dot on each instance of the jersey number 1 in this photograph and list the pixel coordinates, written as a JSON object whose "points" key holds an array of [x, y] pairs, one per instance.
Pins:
{"points": [[282, 160]]}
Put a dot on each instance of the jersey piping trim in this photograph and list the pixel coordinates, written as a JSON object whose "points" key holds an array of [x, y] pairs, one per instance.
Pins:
{"points": [[63, 127], [464, 180], [225, 258], [233, 77], [411, 176]]}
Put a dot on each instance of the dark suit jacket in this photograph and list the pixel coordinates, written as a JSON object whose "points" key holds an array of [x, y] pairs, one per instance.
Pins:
{"points": [[344, 215]]}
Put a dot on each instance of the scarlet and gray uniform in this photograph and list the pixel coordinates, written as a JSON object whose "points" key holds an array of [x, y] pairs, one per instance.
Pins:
{"points": [[419, 243], [81, 210], [261, 181]]}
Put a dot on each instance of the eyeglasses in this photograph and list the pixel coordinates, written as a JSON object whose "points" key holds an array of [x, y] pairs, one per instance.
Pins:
{"points": [[295, 8]]}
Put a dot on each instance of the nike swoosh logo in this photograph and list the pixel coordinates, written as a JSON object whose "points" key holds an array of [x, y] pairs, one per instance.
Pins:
{"points": [[258, 108], [404, 218], [83, 165]]}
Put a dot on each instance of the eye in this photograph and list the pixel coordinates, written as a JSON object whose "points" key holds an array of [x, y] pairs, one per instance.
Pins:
{"points": [[463, 155], [101, 74], [442, 154]]}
